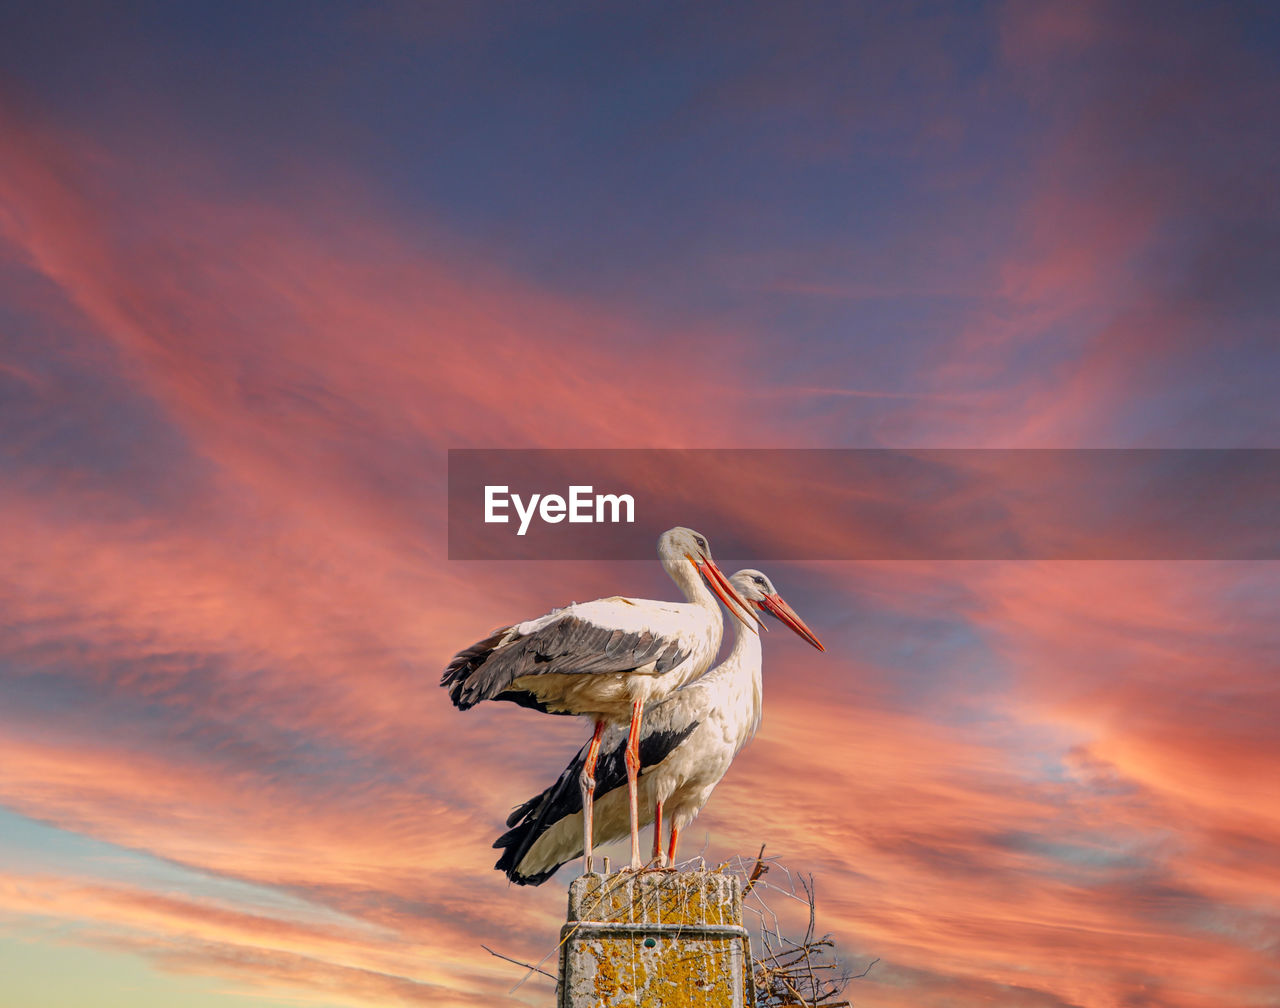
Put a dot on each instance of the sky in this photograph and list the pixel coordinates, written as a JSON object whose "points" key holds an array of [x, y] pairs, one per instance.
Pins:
{"points": [[261, 266]]}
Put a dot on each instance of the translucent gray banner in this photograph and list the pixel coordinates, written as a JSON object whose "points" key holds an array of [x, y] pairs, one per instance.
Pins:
{"points": [[868, 504]]}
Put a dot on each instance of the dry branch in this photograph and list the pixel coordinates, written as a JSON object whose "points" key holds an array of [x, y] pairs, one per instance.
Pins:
{"points": [[528, 966], [788, 973], [792, 974]]}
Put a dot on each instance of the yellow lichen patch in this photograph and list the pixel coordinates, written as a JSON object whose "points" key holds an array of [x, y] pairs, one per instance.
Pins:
{"points": [[655, 938]]}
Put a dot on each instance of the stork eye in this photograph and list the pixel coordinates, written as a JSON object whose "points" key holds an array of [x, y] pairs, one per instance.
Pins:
{"points": [[702, 543], [760, 581]]}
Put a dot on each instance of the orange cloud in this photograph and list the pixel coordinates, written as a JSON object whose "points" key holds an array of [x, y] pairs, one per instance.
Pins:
{"points": [[1084, 815]]}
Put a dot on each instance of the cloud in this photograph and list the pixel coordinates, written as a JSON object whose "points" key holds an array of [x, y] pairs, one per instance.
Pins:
{"points": [[226, 597], [254, 952]]}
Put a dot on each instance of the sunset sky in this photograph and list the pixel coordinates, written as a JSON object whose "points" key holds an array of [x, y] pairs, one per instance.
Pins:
{"points": [[262, 265]]}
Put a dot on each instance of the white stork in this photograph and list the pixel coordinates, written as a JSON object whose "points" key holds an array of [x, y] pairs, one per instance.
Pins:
{"points": [[689, 740], [605, 660]]}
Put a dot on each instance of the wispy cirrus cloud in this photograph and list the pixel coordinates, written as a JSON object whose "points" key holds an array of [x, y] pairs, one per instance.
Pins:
{"points": [[224, 581]]}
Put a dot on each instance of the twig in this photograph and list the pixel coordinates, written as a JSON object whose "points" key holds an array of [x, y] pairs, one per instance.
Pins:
{"points": [[759, 869], [517, 962]]}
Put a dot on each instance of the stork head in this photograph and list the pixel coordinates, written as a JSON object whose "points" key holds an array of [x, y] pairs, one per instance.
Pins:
{"points": [[759, 592], [681, 545]]}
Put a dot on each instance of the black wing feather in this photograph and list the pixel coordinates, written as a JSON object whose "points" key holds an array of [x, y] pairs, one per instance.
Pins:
{"points": [[486, 670], [564, 798]]}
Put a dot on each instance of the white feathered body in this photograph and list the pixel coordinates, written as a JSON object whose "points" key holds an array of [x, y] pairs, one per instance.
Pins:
{"points": [[726, 703], [695, 628], [597, 659], [724, 706]]}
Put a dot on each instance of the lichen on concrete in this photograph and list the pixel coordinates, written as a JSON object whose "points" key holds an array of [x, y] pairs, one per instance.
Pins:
{"points": [[655, 938]]}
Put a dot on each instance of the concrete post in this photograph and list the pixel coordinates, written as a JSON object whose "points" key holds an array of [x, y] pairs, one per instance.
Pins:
{"points": [[655, 939]]}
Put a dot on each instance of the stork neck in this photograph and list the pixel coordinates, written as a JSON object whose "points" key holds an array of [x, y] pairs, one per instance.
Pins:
{"points": [[744, 658], [738, 685], [746, 646], [689, 581]]}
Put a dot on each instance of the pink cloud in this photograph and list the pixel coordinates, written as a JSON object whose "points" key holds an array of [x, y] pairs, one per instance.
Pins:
{"points": [[317, 363]]}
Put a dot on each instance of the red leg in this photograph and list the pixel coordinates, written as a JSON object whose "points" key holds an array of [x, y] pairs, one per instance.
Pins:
{"points": [[657, 832], [588, 784], [633, 774], [671, 851]]}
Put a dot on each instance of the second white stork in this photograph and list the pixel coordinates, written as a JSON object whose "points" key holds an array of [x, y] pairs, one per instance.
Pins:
{"points": [[605, 660], [689, 740]]}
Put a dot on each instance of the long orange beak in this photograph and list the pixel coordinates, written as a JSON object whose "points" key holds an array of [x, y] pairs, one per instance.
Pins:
{"points": [[776, 605], [724, 591]]}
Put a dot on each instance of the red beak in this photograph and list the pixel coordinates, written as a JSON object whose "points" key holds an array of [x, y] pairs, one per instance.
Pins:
{"points": [[776, 605], [725, 592]]}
